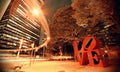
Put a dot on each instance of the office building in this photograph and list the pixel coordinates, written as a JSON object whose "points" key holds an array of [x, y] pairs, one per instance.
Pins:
{"points": [[16, 25]]}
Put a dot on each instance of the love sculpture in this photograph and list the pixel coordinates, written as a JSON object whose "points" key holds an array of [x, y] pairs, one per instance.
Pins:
{"points": [[91, 52]]}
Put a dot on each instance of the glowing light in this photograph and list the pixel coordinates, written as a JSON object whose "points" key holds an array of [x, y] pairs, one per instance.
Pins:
{"points": [[48, 38], [36, 12], [106, 51], [32, 45]]}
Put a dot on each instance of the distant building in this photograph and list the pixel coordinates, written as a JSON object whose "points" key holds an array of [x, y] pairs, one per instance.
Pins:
{"points": [[17, 25]]}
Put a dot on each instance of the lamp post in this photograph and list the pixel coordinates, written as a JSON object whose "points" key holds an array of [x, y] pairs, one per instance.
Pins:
{"points": [[32, 45], [21, 42], [36, 14]]}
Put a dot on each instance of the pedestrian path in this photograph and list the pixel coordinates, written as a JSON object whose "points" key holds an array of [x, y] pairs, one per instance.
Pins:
{"points": [[66, 66]]}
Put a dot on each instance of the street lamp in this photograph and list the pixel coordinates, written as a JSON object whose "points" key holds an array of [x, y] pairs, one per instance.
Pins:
{"points": [[19, 49], [36, 12], [32, 45]]}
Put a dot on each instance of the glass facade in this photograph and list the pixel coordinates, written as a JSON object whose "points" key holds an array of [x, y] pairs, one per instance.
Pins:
{"points": [[16, 25]]}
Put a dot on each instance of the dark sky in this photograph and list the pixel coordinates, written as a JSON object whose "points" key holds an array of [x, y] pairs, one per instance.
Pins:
{"points": [[52, 5]]}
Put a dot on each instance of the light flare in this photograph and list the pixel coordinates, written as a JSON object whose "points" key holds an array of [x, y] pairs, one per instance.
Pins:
{"points": [[35, 11]]}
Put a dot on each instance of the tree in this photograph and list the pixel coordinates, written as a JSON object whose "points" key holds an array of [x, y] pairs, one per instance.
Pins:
{"points": [[84, 17], [63, 27], [91, 12], [98, 17]]}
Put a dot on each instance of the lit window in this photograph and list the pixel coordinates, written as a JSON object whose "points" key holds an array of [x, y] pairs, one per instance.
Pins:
{"points": [[22, 7], [20, 12]]}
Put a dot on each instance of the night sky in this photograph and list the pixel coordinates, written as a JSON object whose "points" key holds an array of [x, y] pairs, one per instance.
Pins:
{"points": [[51, 6]]}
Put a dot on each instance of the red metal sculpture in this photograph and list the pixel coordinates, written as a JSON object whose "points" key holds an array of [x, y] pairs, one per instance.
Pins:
{"points": [[91, 52]]}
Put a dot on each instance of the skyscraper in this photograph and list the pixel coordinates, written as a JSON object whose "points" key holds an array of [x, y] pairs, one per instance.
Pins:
{"points": [[16, 25]]}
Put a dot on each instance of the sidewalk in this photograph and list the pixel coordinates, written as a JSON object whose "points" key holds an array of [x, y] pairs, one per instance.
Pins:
{"points": [[66, 66]]}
